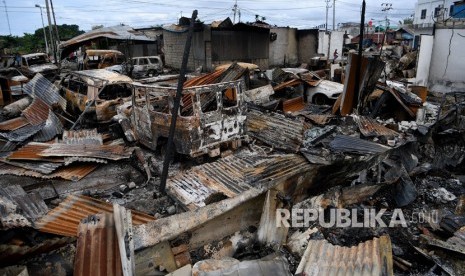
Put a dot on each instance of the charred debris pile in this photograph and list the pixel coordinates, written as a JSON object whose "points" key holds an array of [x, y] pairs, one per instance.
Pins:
{"points": [[80, 161]]}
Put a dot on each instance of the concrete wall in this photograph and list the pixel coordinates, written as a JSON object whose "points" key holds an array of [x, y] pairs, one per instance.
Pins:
{"points": [[283, 50], [323, 43], [337, 41], [424, 59], [447, 69], [307, 45]]}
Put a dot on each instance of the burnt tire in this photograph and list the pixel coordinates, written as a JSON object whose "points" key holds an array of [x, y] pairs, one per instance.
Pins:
{"points": [[152, 73], [320, 99]]}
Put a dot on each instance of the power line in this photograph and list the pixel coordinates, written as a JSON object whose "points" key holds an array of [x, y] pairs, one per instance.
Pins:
{"points": [[7, 18]]}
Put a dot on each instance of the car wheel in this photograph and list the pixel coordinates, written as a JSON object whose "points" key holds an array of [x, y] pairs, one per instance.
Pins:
{"points": [[320, 99], [151, 73]]}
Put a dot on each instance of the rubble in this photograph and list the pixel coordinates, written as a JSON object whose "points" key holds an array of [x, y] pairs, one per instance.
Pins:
{"points": [[80, 165]]}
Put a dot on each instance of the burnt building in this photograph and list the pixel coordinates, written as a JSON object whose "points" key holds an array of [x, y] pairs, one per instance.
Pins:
{"points": [[217, 44]]}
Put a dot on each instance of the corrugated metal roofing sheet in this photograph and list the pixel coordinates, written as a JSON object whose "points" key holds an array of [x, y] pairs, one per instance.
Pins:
{"points": [[230, 176], [82, 137], [97, 251], [52, 128], [369, 127], [41, 88], [372, 257], [119, 32], [74, 172], [351, 144], [37, 112], [65, 218], [13, 124], [32, 151], [41, 167], [111, 152], [275, 129], [21, 134]]}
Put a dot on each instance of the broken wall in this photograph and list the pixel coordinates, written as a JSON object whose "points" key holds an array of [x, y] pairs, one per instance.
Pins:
{"points": [[447, 70], [424, 59], [174, 43], [323, 43], [307, 45], [283, 50]]}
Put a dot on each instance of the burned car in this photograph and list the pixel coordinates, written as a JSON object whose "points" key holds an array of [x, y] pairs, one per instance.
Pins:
{"points": [[32, 64], [96, 93], [211, 117], [104, 59]]}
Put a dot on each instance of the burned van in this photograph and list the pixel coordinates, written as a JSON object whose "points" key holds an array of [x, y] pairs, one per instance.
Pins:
{"points": [[211, 117], [96, 93]]}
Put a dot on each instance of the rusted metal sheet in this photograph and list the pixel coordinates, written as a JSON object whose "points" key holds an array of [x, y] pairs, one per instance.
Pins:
{"points": [[37, 112], [319, 119], [65, 218], [224, 176], [110, 152], [32, 151], [294, 105], [52, 128], [31, 205], [21, 134], [13, 124], [41, 88], [82, 137], [74, 172], [229, 177], [369, 127], [97, 251], [373, 257], [311, 78], [276, 130], [41, 167]]}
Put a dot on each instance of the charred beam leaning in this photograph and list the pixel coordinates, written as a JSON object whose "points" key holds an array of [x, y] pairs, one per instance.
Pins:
{"points": [[177, 100], [359, 58]]}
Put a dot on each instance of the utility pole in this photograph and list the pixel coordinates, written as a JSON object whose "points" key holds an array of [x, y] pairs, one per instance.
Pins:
{"points": [[385, 8], [234, 10], [7, 18], [43, 28], [52, 41], [327, 8], [334, 14], [57, 35]]}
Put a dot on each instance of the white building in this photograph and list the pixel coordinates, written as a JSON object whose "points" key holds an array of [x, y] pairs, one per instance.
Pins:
{"points": [[427, 12]]}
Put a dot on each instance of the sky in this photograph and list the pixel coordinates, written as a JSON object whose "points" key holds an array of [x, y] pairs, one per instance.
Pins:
{"points": [[24, 17]]}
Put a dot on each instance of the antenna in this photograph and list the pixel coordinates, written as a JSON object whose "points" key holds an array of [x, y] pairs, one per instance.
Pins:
{"points": [[7, 18]]}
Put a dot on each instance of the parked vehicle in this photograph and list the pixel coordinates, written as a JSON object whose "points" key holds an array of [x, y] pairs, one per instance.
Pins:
{"points": [[147, 66], [97, 93], [32, 64], [212, 117]]}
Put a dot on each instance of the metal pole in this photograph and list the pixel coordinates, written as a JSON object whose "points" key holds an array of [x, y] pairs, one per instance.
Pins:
{"points": [[177, 100], [57, 35], [334, 14], [359, 57], [52, 43], [7, 18], [327, 8], [43, 28]]}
